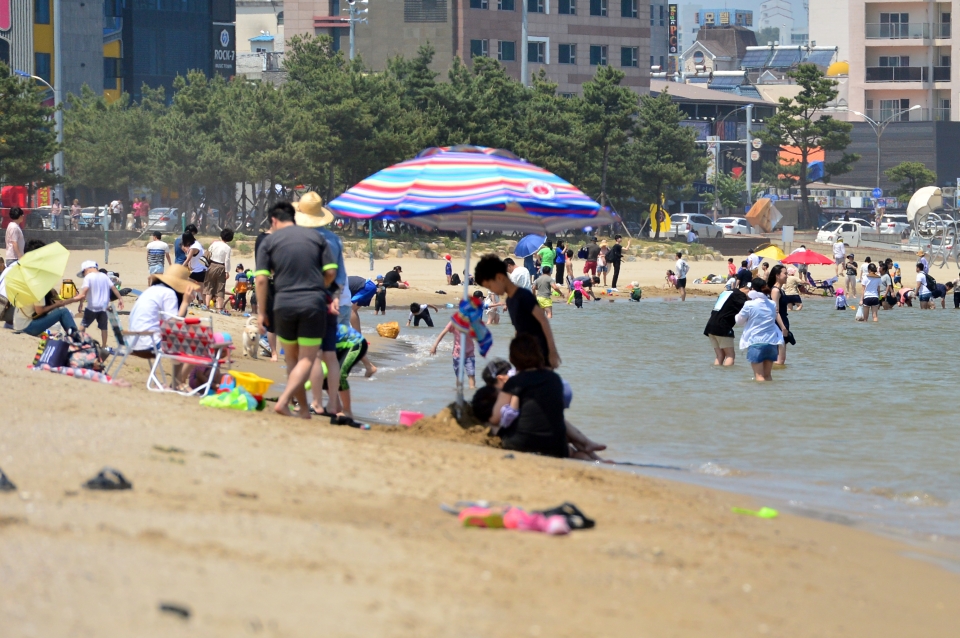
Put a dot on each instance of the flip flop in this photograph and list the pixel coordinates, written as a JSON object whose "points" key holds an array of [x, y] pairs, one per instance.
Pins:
{"points": [[575, 518], [324, 412], [345, 420], [6, 485], [108, 479]]}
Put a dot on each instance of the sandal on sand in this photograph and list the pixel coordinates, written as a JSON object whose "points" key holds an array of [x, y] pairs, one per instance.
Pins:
{"points": [[342, 419], [6, 485], [575, 518], [323, 412], [108, 479]]}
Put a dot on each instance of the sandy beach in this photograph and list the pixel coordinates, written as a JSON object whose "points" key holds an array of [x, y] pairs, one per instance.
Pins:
{"points": [[267, 526]]}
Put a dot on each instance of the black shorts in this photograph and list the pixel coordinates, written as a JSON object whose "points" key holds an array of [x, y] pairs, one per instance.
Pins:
{"points": [[330, 334], [871, 301], [303, 327], [89, 316], [794, 299], [681, 283], [199, 276]]}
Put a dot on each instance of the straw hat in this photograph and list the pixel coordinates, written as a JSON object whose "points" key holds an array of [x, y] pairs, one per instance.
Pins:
{"points": [[311, 213], [178, 278]]}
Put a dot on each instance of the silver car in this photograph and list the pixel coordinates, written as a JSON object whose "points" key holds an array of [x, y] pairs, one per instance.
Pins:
{"points": [[701, 225], [166, 220], [735, 226]]}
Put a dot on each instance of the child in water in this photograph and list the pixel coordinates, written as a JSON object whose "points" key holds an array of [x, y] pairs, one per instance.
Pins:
{"points": [[671, 279], [897, 278], [841, 299], [577, 294]]}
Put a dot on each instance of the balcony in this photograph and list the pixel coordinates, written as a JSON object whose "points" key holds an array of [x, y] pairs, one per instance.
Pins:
{"points": [[941, 74], [897, 74], [899, 31], [942, 30], [919, 115]]}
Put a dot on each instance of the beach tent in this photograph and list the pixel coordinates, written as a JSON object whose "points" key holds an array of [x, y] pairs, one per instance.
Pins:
{"points": [[764, 215], [922, 203]]}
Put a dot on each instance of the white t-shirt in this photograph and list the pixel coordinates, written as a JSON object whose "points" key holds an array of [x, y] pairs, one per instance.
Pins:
{"points": [[864, 267], [98, 288], [220, 253], [922, 280], [682, 269], [422, 308], [871, 287], [753, 262], [195, 264], [521, 278], [145, 316], [839, 250]]}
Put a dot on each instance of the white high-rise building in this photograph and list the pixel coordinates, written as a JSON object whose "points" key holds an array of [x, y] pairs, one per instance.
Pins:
{"points": [[779, 14], [899, 53]]}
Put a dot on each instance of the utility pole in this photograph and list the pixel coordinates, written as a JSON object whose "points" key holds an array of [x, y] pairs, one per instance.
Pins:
{"points": [[58, 95], [524, 79], [749, 156], [354, 12]]}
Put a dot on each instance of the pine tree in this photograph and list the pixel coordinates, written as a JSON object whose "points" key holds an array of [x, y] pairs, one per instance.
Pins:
{"points": [[28, 138], [912, 177], [607, 112]]}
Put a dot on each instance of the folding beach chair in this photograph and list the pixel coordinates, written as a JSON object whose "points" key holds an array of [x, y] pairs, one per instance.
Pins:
{"points": [[188, 341], [826, 285], [126, 343]]}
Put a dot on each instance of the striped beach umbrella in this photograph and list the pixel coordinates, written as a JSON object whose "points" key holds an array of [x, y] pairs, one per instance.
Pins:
{"points": [[453, 188]]}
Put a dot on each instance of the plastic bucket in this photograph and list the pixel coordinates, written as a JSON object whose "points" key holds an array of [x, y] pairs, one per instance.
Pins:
{"points": [[409, 418], [255, 385]]}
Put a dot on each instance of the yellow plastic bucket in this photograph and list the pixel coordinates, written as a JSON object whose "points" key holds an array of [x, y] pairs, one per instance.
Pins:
{"points": [[255, 385]]}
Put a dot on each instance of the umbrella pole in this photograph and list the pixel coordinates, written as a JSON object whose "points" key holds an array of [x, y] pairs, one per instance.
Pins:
{"points": [[461, 376]]}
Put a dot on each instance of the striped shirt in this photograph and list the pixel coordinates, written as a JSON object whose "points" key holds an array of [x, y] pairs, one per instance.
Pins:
{"points": [[157, 252]]}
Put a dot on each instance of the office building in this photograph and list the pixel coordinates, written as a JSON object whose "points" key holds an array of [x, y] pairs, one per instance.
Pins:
{"points": [[568, 39], [900, 56], [776, 13], [161, 40]]}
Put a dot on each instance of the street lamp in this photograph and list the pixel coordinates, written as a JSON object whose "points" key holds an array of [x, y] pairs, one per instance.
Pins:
{"points": [[355, 12], [880, 127], [749, 160], [58, 119]]}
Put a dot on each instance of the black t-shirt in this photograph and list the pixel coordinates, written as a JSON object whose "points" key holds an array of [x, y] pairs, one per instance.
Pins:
{"points": [[744, 277], [356, 284], [392, 278], [593, 252], [722, 321], [521, 306], [540, 427], [297, 257], [615, 254]]}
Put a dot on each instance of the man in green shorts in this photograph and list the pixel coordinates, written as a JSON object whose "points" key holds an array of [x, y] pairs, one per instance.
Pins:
{"points": [[304, 269]]}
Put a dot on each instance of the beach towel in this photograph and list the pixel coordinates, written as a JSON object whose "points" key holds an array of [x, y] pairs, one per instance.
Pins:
{"points": [[469, 319], [79, 373]]}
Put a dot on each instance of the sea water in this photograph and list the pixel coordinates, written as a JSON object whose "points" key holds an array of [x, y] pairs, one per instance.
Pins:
{"points": [[861, 426]]}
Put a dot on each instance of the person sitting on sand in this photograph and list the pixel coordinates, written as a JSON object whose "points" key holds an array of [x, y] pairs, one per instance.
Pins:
{"points": [[501, 410], [37, 318], [392, 279], [167, 293]]}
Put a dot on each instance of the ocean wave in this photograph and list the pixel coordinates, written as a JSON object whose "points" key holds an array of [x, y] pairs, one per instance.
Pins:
{"points": [[918, 498], [715, 469]]}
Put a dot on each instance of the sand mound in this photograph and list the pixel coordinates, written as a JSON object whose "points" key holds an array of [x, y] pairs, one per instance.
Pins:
{"points": [[444, 425]]}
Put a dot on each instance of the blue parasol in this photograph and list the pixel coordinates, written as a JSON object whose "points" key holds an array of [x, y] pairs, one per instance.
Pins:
{"points": [[529, 245]]}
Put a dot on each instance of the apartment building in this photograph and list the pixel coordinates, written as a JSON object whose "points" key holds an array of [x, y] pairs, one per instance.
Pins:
{"points": [[900, 56], [568, 39]]}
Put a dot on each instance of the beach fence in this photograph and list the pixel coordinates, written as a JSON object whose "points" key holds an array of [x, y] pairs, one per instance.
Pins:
{"points": [[79, 239]]}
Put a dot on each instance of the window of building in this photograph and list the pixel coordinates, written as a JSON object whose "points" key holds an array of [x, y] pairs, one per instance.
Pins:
{"points": [[537, 52], [651, 62], [479, 48], [894, 60], [653, 13], [598, 55], [41, 66], [630, 8], [568, 54], [424, 10], [479, 4], [891, 108], [505, 5], [506, 51], [629, 56], [662, 67], [536, 6], [661, 15], [280, 19], [598, 7], [112, 70], [567, 7], [41, 12], [568, 95]]}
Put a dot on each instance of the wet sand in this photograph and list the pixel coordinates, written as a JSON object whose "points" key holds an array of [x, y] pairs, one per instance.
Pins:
{"points": [[271, 526]]}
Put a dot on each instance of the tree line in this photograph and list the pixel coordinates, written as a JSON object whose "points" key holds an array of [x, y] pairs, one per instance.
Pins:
{"points": [[334, 122]]}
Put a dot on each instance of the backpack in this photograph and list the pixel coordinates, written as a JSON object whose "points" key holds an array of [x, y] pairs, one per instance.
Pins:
{"points": [[931, 283], [582, 253], [455, 280]]}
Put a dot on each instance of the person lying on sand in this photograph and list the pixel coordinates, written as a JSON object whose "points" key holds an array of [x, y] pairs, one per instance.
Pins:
{"points": [[501, 410]]}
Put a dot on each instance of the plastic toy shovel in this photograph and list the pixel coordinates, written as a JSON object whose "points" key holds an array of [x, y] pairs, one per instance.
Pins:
{"points": [[763, 512]]}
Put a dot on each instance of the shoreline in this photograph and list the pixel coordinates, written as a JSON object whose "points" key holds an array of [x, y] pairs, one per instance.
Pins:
{"points": [[246, 518]]}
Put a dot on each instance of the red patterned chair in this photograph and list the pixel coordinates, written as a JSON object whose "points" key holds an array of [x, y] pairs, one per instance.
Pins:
{"points": [[188, 341]]}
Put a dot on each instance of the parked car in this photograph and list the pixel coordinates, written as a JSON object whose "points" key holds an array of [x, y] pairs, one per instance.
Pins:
{"points": [[893, 224], [735, 226], [702, 225], [829, 232], [166, 220]]}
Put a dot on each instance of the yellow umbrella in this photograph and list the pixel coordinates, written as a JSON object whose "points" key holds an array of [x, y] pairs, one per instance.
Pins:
{"points": [[37, 273], [771, 252]]}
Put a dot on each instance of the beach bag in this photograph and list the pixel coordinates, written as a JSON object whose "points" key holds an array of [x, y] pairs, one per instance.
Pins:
{"points": [[860, 315], [55, 353], [582, 253], [390, 330], [84, 352]]}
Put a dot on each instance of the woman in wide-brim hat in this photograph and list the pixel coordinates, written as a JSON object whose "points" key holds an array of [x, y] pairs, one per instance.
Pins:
{"points": [[311, 213], [169, 293]]}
